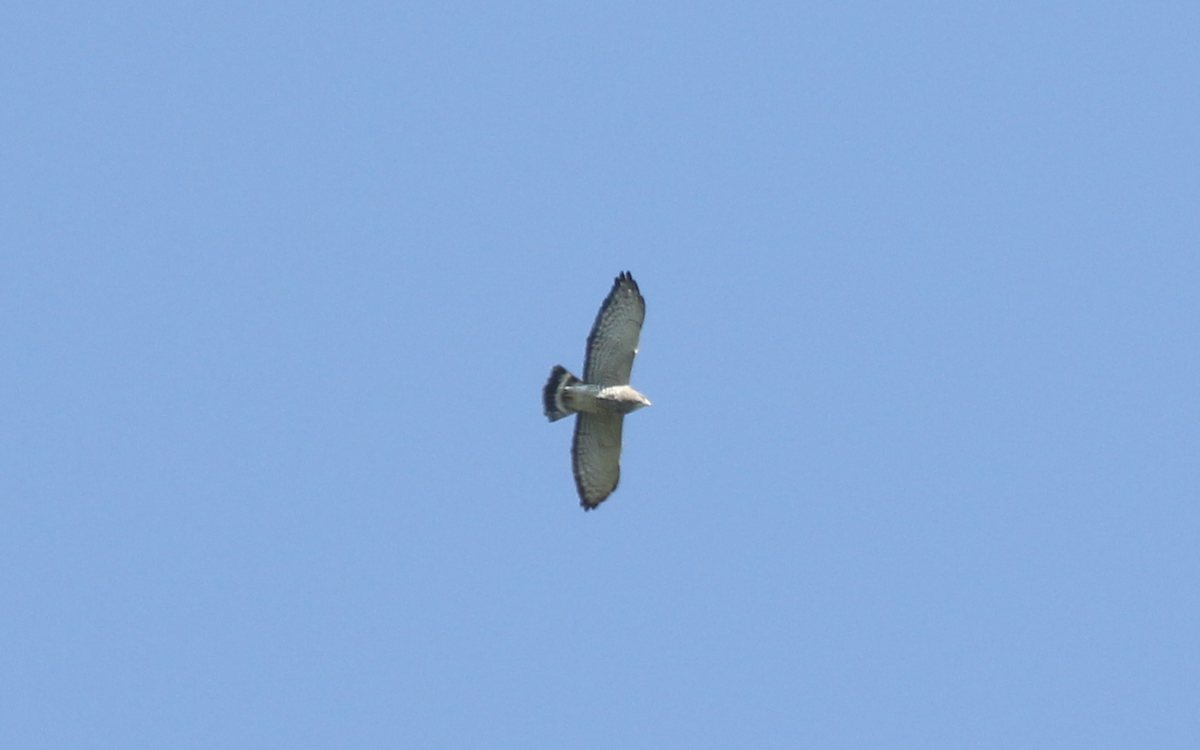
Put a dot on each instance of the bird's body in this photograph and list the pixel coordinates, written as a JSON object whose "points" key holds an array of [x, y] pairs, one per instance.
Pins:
{"points": [[597, 399], [603, 398], [606, 399]]}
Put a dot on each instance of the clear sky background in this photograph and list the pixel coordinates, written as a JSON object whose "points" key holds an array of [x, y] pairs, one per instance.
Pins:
{"points": [[280, 284]]}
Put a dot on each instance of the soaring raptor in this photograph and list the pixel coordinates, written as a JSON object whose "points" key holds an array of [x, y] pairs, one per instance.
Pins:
{"points": [[602, 399]]}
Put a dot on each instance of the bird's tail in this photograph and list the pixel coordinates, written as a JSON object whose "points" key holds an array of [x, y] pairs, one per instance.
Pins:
{"points": [[553, 396]]}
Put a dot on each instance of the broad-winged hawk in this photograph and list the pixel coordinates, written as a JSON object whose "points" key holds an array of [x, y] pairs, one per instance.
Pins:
{"points": [[602, 399]]}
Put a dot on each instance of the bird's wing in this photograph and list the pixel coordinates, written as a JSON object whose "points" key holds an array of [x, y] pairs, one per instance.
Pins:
{"points": [[614, 337], [596, 456]]}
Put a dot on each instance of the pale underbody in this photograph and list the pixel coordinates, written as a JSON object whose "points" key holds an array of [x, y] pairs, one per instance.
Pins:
{"points": [[603, 399]]}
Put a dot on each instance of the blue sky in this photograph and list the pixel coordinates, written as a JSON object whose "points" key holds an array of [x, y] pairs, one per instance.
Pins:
{"points": [[281, 282]]}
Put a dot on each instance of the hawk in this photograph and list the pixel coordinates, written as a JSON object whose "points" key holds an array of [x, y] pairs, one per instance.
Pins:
{"points": [[602, 399]]}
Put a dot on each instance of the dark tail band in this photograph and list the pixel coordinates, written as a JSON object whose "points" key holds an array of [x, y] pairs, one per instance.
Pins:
{"points": [[553, 398]]}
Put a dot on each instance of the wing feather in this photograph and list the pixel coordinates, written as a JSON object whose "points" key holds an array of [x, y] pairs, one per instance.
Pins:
{"points": [[614, 337], [596, 456]]}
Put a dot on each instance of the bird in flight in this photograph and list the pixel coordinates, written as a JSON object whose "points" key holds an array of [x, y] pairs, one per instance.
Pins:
{"points": [[602, 399]]}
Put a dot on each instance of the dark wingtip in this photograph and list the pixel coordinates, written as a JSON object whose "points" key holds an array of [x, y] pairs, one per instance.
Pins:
{"points": [[592, 505]]}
